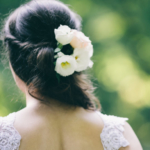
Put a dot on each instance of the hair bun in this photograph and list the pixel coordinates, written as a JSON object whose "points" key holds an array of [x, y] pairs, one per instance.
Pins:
{"points": [[45, 58]]}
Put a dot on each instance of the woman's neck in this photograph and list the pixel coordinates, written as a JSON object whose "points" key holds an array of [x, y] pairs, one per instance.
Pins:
{"points": [[52, 106]]}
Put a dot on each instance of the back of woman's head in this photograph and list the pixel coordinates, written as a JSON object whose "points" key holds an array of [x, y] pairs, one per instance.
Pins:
{"points": [[30, 41]]}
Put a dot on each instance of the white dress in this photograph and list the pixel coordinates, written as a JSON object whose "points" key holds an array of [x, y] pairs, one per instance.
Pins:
{"points": [[111, 137]]}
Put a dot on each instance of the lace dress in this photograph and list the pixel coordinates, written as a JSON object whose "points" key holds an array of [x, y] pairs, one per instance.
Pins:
{"points": [[111, 137]]}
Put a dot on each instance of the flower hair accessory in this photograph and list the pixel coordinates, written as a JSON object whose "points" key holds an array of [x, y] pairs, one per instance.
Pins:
{"points": [[79, 60]]}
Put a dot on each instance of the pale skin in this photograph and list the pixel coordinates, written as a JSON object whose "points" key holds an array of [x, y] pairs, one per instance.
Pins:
{"points": [[55, 127]]}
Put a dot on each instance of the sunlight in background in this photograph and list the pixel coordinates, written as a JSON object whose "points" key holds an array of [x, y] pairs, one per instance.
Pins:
{"points": [[116, 70], [114, 66], [109, 26]]}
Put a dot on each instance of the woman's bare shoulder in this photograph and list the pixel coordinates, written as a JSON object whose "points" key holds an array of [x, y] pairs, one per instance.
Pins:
{"points": [[132, 138]]}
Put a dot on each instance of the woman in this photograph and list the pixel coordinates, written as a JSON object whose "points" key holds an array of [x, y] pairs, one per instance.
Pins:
{"points": [[47, 56]]}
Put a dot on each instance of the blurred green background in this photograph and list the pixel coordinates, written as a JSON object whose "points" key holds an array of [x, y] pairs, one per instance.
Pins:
{"points": [[120, 32]]}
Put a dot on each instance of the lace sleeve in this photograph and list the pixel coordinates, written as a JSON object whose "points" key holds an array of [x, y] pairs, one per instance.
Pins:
{"points": [[112, 134], [9, 136]]}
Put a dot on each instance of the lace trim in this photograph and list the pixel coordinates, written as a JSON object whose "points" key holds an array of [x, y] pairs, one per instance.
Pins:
{"points": [[9, 136], [112, 136]]}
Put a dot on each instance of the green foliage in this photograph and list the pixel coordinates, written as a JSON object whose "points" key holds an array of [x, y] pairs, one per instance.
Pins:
{"points": [[120, 34]]}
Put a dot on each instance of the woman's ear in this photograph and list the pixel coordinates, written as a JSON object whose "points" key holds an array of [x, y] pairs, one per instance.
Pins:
{"points": [[21, 84]]}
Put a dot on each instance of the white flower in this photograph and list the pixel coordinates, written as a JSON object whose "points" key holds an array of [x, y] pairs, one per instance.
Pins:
{"points": [[65, 65], [64, 34], [83, 51], [89, 49], [82, 58], [91, 64], [79, 40]]}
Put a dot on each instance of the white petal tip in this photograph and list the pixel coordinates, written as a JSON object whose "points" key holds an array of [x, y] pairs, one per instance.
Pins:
{"points": [[91, 64]]}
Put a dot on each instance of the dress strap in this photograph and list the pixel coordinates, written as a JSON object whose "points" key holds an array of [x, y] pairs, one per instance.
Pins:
{"points": [[9, 136], [112, 136], [10, 119]]}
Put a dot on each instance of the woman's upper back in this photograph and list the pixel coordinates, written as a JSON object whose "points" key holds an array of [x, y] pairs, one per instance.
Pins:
{"points": [[63, 131]]}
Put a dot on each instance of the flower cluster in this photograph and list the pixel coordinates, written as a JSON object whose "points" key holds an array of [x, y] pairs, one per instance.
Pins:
{"points": [[82, 53]]}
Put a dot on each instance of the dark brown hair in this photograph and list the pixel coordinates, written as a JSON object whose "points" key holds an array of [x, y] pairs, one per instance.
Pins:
{"points": [[30, 41]]}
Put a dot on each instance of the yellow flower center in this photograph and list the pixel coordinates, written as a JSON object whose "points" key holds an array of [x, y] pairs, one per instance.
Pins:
{"points": [[65, 64], [76, 57]]}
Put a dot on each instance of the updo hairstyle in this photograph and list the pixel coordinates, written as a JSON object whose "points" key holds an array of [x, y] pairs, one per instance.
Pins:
{"points": [[30, 42]]}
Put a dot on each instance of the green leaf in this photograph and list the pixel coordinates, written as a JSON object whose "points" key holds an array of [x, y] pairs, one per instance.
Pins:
{"points": [[58, 77], [54, 63], [60, 46]]}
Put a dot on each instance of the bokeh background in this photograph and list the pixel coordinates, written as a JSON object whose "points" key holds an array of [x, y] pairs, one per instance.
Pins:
{"points": [[120, 32]]}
